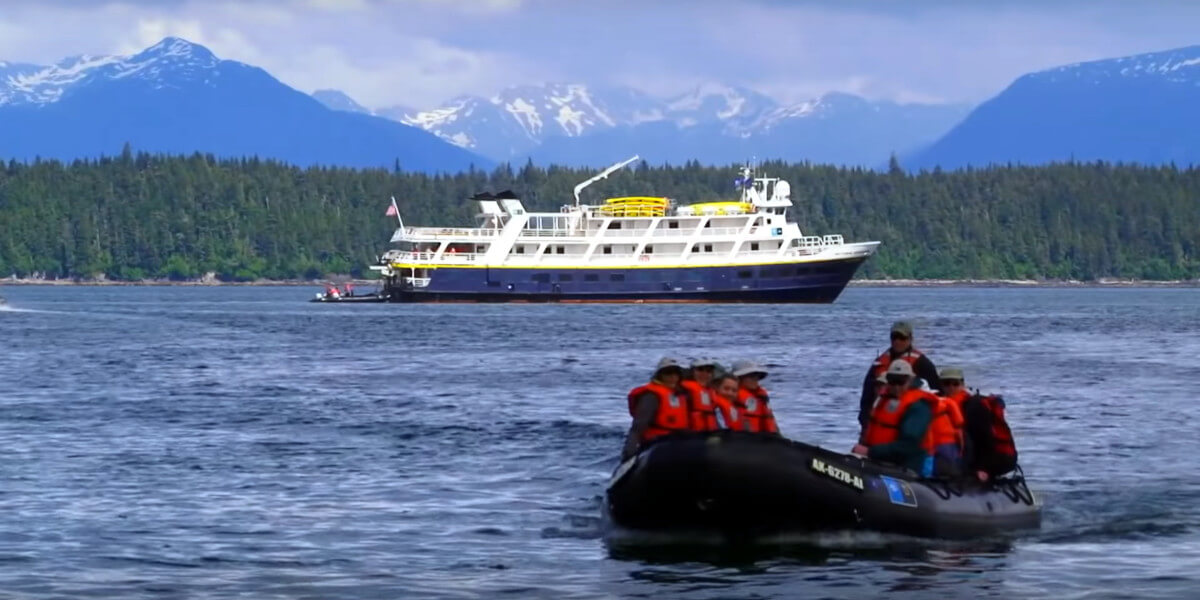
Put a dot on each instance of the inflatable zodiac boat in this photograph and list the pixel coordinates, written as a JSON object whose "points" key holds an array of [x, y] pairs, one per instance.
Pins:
{"points": [[748, 485]]}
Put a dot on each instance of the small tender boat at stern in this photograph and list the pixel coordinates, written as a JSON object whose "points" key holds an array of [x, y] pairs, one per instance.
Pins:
{"points": [[748, 485], [335, 295]]}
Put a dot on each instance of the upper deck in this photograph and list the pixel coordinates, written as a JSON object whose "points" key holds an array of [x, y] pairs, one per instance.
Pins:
{"points": [[636, 231]]}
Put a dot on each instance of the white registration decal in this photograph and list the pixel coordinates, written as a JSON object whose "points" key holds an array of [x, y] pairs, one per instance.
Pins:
{"points": [[841, 475]]}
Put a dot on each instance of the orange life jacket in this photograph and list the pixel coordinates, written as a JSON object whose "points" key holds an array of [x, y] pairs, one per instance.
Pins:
{"points": [[731, 412], [756, 411], [884, 424], [946, 428], [881, 364], [674, 410], [958, 397], [705, 415]]}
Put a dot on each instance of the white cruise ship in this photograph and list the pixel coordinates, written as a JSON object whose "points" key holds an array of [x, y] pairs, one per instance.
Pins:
{"points": [[628, 249]]}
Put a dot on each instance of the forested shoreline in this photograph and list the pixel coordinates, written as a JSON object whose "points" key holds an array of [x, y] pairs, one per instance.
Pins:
{"points": [[136, 216]]}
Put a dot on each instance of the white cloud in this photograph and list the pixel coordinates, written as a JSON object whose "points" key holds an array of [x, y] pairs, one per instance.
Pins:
{"points": [[422, 52], [338, 5]]}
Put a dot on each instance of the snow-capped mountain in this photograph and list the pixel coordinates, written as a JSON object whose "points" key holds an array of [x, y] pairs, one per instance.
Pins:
{"points": [[835, 129], [520, 118], [170, 63], [395, 112], [1138, 108], [177, 97], [585, 125], [739, 108], [338, 100], [14, 70], [1180, 65], [539, 112]]}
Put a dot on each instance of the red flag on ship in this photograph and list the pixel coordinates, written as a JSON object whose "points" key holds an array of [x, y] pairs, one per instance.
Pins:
{"points": [[391, 211]]}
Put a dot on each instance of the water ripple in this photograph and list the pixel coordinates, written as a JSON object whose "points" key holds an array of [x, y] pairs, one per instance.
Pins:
{"points": [[237, 442]]}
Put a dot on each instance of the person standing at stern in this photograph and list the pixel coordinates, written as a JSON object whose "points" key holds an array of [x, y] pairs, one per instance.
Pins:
{"points": [[901, 349]]}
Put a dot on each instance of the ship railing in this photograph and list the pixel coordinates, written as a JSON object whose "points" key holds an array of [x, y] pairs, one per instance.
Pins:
{"points": [[815, 244], [820, 241], [452, 232], [680, 233], [391, 256], [631, 259], [549, 232], [424, 256]]}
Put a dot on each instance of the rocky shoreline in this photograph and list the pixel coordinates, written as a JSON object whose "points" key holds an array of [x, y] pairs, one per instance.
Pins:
{"points": [[189, 283], [1023, 283]]}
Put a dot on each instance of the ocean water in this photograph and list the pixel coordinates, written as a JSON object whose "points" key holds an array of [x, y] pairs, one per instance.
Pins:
{"points": [[240, 442]]}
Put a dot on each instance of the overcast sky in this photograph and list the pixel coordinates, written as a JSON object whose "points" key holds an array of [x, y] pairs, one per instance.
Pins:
{"points": [[421, 52]]}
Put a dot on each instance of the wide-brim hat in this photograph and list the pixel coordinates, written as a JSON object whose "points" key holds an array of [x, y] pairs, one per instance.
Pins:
{"points": [[742, 368], [951, 373], [668, 364]]}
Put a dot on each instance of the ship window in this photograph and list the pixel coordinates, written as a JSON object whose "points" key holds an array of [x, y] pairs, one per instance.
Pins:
{"points": [[617, 277], [560, 249], [745, 274], [708, 247], [673, 225], [649, 249], [541, 277], [520, 250], [565, 277], [614, 225], [753, 246], [591, 277]]}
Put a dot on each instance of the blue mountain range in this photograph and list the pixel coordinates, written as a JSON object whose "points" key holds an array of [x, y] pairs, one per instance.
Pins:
{"points": [[177, 97], [1139, 109]]}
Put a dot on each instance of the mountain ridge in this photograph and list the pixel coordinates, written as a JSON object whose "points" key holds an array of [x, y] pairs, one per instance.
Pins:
{"points": [[177, 97], [584, 125], [1137, 108]]}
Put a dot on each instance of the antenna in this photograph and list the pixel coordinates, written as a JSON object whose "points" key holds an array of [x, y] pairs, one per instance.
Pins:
{"points": [[602, 175]]}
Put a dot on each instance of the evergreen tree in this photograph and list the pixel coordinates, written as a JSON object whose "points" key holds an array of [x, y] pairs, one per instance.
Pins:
{"points": [[138, 215]]}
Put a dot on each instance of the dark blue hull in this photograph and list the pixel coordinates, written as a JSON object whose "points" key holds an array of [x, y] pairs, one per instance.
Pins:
{"points": [[772, 283]]}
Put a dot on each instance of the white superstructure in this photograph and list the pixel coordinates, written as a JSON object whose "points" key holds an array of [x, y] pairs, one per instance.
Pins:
{"points": [[626, 232]]}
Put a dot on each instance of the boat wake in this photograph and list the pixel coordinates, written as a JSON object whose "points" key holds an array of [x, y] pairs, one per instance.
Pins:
{"points": [[1125, 515]]}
